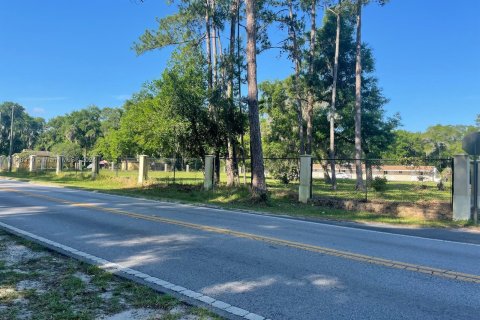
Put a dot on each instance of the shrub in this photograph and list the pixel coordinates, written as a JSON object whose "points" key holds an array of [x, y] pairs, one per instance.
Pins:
{"points": [[441, 186], [284, 171], [379, 184]]}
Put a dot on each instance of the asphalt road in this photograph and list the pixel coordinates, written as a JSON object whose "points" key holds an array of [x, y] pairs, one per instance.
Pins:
{"points": [[278, 268]]}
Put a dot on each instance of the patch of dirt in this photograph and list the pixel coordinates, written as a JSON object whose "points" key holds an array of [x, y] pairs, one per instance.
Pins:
{"points": [[135, 314], [31, 285], [37, 282], [15, 254], [83, 276]]}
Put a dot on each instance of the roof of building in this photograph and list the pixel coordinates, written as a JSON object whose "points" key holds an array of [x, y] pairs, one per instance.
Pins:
{"points": [[383, 167]]}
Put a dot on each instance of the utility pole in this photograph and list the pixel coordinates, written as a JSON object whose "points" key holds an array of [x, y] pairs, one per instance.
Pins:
{"points": [[10, 159]]}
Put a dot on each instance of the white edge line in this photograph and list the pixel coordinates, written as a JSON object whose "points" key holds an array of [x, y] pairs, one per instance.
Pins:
{"points": [[260, 215], [115, 267]]}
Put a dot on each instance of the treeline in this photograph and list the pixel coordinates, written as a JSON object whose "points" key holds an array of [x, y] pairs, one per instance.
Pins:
{"points": [[331, 106]]}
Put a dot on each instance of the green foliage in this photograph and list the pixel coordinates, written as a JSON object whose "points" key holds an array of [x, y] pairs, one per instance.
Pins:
{"points": [[68, 149], [439, 141], [172, 30], [280, 126], [26, 129], [379, 184], [82, 128], [285, 171]]}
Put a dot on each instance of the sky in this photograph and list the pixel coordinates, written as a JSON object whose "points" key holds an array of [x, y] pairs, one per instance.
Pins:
{"points": [[57, 56]]}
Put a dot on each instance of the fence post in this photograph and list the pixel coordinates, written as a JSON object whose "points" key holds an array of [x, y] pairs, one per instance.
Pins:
{"points": [[476, 189], [461, 195], [59, 165], [2, 160], [142, 169], [31, 165], [208, 182], [95, 166], [305, 187]]}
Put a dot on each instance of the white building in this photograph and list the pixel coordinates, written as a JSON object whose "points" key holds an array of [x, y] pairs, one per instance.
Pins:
{"points": [[391, 172]]}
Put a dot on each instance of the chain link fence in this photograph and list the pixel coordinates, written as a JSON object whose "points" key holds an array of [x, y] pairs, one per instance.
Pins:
{"points": [[407, 180]]}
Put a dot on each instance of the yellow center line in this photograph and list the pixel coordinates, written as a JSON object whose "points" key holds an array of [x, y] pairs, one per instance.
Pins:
{"points": [[444, 273]]}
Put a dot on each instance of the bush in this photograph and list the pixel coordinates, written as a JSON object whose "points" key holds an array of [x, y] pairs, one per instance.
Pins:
{"points": [[284, 171], [441, 186], [379, 184]]}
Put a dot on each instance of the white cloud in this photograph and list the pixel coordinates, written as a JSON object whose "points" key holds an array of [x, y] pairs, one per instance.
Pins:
{"points": [[38, 111], [122, 97]]}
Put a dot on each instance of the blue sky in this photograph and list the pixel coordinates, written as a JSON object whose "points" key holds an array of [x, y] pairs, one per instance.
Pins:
{"points": [[57, 55]]}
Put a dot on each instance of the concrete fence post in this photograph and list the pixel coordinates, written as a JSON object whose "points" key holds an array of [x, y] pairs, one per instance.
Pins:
{"points": [[305, 187], [31, 165], [461, 185], [187, 168], [208, 183], [478, 191], [142, 169], [95, 166], [165, 168], [59, 165], [2, 160]]}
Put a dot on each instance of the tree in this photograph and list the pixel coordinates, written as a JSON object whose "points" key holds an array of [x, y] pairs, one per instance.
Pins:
{"points": [[331, 152], [259, 186], [294, 27], [441, 141], [406, 145], [310, 93], [378, 127], [358, 94], [26, 129], [232, 163], [204, 20], [358, 101], [279, 126]]}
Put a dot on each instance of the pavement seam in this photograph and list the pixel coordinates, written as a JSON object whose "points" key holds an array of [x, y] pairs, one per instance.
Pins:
{"points": [[444, 273], [117, 268]]}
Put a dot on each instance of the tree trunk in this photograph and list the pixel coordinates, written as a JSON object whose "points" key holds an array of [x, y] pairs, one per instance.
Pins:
{"points": [[326, 174], [231, 163], [259, 186], [208, 44], [334, 101], [239, 70], [310, 98], [296, 60], [369, 172], [358, 102], [215, 54]]}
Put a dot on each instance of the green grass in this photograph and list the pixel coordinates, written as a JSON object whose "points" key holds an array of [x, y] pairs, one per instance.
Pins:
{"points": [[70, 289], [283, 199]]}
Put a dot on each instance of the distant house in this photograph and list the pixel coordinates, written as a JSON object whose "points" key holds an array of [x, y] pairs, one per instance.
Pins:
{"points": [[391, 172]]}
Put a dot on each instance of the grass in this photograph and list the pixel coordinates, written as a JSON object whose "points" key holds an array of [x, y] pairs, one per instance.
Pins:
{"points": [[282, 198], [41, 284]]}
